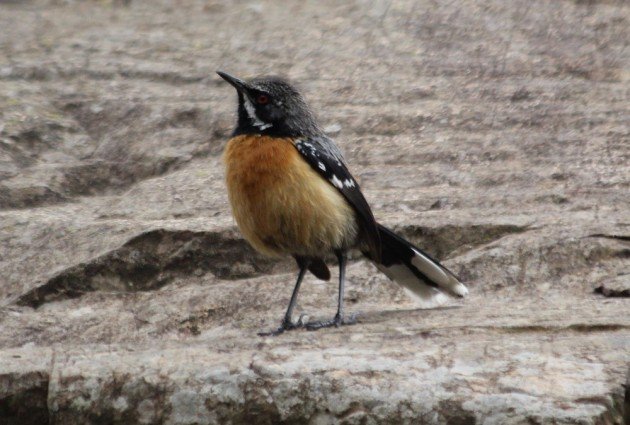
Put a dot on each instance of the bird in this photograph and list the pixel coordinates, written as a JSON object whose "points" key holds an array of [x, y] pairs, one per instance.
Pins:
{"points": [[292, 194]]}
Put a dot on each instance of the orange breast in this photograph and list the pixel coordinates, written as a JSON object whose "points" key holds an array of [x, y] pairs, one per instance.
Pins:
{"points": [[257, 163], [282, 206]]}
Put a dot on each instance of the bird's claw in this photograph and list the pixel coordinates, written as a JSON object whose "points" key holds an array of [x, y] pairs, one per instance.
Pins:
{"points": [[287, 325], [336, 321]]}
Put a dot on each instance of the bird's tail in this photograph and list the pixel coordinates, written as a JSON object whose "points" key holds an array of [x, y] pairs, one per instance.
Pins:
{"points": [[414, 269]]}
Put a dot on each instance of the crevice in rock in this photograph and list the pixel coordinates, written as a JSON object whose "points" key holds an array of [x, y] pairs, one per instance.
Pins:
{"points": [[617, 406], [100, 176], [452, 413], [24, 399], [612, 293], [107, 147], [618, 237], [534, 329], [29, 197], [120, 133], [443, 241], [155, 258]]}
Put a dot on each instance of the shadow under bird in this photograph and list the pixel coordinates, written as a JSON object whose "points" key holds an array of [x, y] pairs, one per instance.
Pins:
{"points": [[292, 194]]}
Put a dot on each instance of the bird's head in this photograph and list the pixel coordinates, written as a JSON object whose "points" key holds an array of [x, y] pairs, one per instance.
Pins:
{"points": [[272, 106]]}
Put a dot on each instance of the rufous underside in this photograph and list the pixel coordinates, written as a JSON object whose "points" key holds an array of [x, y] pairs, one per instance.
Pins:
{"points": [[281, 205]]}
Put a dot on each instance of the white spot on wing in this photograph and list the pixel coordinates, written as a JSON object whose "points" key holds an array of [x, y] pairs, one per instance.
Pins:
{"points": [[321, 166], [348, 183], [336, 182]]}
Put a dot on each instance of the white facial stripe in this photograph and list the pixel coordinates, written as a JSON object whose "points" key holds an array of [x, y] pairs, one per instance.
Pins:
{"points": [[251, 111]]}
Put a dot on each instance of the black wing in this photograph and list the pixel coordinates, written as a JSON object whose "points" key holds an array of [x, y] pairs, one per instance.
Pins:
{"points": [[324, 157]]}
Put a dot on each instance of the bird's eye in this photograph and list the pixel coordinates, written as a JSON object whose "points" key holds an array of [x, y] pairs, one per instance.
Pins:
{"points": [[262, 99]]}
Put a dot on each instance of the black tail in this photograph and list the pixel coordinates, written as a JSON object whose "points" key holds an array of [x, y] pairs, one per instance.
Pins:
{"points": [[414, 269]]}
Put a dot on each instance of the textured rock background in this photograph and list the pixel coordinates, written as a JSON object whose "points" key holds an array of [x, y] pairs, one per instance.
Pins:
{"points": [[495, 134]]}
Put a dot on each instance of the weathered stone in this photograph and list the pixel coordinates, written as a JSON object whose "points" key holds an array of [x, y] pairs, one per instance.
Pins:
{"points": [[493, 134]]}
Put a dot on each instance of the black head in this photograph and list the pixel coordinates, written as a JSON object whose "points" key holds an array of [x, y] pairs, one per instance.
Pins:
{"points": [[272, 106]]}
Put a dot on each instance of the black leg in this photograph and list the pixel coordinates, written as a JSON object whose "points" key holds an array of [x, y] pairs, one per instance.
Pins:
{"points": [[339, 319], [343, 259], [289, 313], [287, 324]]}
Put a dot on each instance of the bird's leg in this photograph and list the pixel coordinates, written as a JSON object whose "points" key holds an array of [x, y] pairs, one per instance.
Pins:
{"points": [[339, 318], [287, 324]]}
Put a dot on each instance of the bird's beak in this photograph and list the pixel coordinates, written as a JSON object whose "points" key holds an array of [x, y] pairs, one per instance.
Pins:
{"points": [[239, 85]]}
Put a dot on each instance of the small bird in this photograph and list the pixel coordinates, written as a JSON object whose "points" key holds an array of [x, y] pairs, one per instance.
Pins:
{"points": [[291, 193]]}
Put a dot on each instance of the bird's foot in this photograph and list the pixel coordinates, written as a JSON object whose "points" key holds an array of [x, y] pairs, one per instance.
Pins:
{"points": [[287, 325], [336, 322]]}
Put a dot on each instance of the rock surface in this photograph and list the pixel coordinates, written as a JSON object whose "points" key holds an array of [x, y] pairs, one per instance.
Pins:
{"points": [[494, 134]]}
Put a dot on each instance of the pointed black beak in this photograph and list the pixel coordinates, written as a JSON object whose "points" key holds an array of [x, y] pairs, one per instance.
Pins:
{"points": [[239, 85]]}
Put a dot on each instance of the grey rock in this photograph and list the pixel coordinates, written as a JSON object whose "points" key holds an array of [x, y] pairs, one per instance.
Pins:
{"points": [[493, 134]]}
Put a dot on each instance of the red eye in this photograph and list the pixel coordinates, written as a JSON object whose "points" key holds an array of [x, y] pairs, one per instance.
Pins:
{"points": [[262, 99]]}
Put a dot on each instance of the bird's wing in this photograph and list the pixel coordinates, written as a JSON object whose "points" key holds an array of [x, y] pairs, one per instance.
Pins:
{"points": [[324, 157]]}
